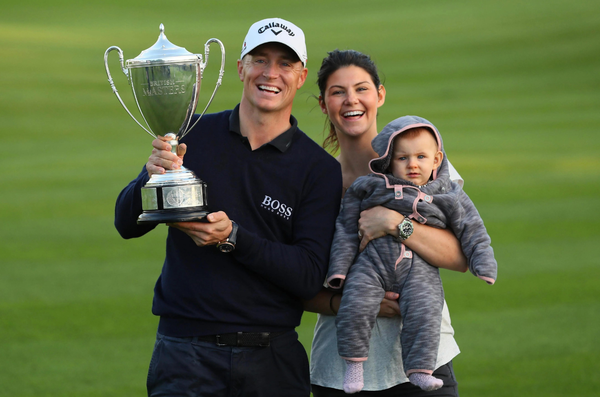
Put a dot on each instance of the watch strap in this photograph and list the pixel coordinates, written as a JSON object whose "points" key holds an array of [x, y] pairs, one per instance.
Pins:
{"points": [[229, 244]]}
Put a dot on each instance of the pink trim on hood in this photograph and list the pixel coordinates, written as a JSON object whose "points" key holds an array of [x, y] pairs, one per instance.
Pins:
{"points": [[395, 134]]}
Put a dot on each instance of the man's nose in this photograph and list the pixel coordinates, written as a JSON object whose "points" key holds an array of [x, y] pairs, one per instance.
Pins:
{"points": [[271, 70]]}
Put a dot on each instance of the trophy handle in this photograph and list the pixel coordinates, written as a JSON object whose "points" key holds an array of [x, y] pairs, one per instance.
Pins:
{"points": [[218, 84], [112, 84]]}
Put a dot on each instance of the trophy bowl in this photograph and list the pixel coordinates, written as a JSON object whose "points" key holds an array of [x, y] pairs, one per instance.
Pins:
{"points": [[165, 80]]}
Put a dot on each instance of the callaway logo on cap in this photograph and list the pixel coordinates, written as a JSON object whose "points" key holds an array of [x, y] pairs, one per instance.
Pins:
{"points": [[275, 30]]}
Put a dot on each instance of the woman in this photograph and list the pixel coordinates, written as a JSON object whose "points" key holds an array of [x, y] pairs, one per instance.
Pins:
{"points": [[350, 94]]}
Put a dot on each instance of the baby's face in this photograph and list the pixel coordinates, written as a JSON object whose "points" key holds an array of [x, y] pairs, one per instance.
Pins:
{"points": [[414, 158]]}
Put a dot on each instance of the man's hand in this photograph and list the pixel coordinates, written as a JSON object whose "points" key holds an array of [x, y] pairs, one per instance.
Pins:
{"points": [[389, 306], [162, 158], [217, 228]]}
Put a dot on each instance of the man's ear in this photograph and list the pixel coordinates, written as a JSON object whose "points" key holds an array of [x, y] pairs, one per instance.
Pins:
{"points": [[240, 68], [302, 78]]}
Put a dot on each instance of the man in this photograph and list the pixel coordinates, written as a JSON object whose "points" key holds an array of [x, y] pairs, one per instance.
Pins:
{"points": [[227, 319]]}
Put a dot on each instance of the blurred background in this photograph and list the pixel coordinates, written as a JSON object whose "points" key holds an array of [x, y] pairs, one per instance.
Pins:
{"points": [[513, 86]]}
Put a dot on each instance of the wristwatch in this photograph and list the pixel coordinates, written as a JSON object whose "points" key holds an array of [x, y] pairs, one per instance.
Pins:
{"points": [[229, 244], [405, 229]]}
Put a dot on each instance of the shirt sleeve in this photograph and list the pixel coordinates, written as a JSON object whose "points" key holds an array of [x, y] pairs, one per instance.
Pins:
{"points": [[345, 242], [129, 207], [454, 175]]}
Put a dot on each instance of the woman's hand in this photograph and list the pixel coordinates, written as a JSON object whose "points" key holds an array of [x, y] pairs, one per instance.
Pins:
{"points": [[162, 158], [217, 228], [377, 222], [438, 247]]}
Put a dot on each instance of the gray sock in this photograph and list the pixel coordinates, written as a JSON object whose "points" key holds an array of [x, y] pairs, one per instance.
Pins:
{"points": [[353, 380], [425, 381]]}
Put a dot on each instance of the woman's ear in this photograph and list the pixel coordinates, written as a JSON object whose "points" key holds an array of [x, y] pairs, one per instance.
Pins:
{"points": [[322, 105], [380, 95]]}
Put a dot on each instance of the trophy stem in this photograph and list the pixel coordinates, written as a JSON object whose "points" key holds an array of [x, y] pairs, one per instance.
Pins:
{"points": [[173, 141]]}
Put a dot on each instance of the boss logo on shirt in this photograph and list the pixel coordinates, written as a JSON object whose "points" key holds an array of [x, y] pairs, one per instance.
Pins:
{"points": [[276, 206]]}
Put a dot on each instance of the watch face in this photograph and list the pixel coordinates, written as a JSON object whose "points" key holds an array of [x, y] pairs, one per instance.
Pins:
{"points": [[405, 229], [226, 247]]}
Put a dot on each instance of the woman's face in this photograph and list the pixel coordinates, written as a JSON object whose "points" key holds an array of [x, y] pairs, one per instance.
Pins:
{"points": [[351, 100]]}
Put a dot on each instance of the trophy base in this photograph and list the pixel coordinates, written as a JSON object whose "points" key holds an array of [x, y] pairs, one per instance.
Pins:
{"points": [[154, 217], [176, 196]]}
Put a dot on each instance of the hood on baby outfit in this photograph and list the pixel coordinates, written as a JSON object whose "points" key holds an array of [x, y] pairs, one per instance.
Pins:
{"points": [[383, 145]]}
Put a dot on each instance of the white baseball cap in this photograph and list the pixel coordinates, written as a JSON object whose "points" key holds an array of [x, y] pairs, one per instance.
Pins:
{"points": [[275, 30]]}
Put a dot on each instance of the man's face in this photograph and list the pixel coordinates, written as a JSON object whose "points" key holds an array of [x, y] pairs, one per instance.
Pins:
{"points": [[271, 74]]}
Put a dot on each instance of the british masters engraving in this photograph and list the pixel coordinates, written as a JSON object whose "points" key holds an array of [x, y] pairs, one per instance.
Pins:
{"points": [[163, 87]]}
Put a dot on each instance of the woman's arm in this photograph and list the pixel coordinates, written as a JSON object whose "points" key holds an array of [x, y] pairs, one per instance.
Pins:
{"points": [[438, 247], [328, 302]]}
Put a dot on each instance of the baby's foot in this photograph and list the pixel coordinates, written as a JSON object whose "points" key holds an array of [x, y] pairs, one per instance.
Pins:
{"points": [[353, 380], [425, 381]]}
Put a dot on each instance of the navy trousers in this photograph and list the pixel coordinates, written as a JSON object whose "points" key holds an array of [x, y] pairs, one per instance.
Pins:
{"points": [[189, 367]]}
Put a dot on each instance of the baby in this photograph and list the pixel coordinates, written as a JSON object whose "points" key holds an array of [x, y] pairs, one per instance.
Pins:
{"points": [[411, 176]]}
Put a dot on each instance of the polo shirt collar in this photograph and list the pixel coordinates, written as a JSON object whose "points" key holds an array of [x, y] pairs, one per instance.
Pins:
{"points": [[282, 141]]}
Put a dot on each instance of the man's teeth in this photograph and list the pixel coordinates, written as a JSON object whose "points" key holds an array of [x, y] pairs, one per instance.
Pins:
{"points": [[267, 88], [354, 113]]}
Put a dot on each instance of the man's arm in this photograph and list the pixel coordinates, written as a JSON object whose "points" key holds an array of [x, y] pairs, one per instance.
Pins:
{"points": [[328, 302], [129, 203], [129, 207]]}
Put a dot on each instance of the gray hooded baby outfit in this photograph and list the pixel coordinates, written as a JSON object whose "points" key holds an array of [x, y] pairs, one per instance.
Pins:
{"points": [[387, 265]]}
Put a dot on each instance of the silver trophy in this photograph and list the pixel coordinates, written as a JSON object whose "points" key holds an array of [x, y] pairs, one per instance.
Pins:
{"points": [[166, 80]]}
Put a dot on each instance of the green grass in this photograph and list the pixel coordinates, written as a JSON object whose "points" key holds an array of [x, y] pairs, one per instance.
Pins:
{"points": [[513, 86]]}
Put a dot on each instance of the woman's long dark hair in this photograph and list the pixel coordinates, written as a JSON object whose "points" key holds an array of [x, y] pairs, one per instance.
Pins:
{"points": [[335, 60]]}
